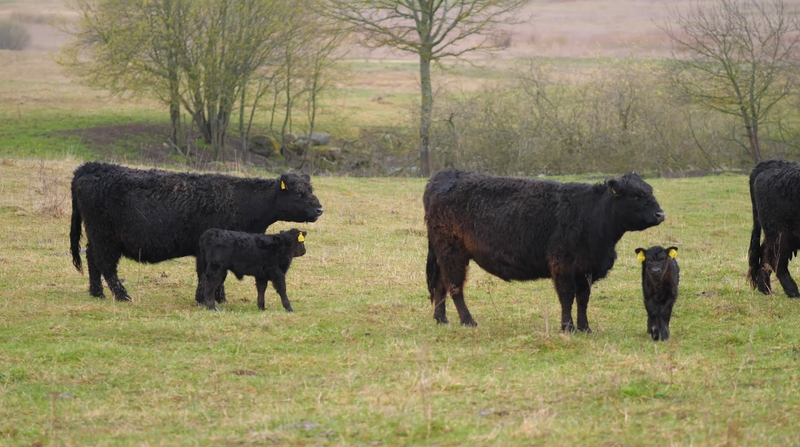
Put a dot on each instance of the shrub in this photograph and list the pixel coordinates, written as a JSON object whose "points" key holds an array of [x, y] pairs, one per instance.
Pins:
{"points": [[13, 36]]}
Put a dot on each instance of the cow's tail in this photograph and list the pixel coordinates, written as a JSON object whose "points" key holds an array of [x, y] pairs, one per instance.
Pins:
{"points": [[432, 270], [75, 230], [754, 253]]}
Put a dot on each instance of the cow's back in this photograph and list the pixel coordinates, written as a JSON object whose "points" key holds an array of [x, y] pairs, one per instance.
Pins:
{"points": [[776, 194], [507, 224], [153, 215]]}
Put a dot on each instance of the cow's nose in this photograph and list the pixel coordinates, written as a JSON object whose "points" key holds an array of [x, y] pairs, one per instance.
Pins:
{"points": [[660, 216], [319, 211]]}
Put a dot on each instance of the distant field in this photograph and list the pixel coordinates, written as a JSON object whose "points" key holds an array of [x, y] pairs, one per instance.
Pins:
{"points": [[362, 361]]}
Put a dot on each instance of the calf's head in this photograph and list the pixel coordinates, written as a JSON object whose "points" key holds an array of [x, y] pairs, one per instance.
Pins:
{"points": [[659, 284], [296, 201], [632, 202], [297, 239]]}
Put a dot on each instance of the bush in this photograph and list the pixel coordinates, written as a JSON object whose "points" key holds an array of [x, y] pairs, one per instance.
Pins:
{"points": [[13, 36]]}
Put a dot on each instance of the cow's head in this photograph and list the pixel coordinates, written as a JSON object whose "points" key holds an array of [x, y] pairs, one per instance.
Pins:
{"points": [[633, 205], [296, 201], [659, 271], [297, 239]]}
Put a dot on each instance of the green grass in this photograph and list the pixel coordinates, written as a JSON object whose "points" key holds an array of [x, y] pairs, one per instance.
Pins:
{"points": [[362, 362]]}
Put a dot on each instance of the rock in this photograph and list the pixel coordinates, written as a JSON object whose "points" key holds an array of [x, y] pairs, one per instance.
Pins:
{"points": [[264, 146], [317, 139]]}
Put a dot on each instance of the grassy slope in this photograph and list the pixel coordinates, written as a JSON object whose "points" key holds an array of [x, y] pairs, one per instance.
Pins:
{"points": [[362, 361]]}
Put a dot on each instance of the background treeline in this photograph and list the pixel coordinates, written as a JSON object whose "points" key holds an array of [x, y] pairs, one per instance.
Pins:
{"points": [[246, 80], [622, 114]]}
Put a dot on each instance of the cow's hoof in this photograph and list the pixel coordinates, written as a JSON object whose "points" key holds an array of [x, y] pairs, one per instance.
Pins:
{"points": [[290, 310], [469, 323], [586, 330], [567, 328], [122, 298], [441, 320], [793, 294]]}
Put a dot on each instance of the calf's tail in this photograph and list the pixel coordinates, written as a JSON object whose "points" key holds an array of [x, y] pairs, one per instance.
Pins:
{"points": [[75, 232], [432, 270], [754, 253]]}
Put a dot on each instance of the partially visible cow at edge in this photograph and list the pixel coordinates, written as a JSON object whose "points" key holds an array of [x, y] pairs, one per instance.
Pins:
{"points": [[153, 215], [660, 279], [519, 229], [775, 198], [265, 256]]}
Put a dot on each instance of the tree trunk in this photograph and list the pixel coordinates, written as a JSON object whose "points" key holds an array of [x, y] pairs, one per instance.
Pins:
{"points": [[755, 149], [425, 112]]}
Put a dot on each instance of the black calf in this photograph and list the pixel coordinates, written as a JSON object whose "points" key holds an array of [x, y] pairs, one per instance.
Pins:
{"points": [[265, 256], [660, 278]]}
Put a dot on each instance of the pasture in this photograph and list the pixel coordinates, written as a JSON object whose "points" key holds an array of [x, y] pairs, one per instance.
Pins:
{"points": [[362, 362]]}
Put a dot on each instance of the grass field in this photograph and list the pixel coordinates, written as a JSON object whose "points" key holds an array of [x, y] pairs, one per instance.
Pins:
{"points": [[362, 362]]}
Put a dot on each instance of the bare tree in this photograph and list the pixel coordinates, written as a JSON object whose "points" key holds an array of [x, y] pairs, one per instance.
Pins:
{"points": [[735, 57], [431, 29]]}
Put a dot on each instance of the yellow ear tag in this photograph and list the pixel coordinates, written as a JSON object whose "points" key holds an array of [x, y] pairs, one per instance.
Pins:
{"points": [[613, 191], [673, 253], [300, 238], [283, 185], [640, 256]]}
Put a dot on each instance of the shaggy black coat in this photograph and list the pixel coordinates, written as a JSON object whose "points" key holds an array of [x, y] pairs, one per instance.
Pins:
{"points": [[775, 198], [660, 278], [152, 215], [519, 229], [265, 256]]}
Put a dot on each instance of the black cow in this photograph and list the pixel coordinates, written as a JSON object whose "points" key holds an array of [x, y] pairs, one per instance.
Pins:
{"points": [[660, 278], [775, 197], [151, 216], [520, 229], [265, 256]]}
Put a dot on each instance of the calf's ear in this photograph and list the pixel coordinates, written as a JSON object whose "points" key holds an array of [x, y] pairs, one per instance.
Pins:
{"points": [[306, 177], [672, 252], [640, 254], [613, 185]]}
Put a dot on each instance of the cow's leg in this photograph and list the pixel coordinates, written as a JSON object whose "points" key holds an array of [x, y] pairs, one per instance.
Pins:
{"points": [[439, 299], [453, 262], [219, 294], [106, 259], [583, 290], [95, 279], [279, 283], [787, 282], [565, 288], [261, 287], [767, 263]]}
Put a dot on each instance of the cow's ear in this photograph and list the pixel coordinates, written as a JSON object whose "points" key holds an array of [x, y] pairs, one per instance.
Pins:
{"points": [[672, 252], [306, 177], [613, 185], [640, 254]]}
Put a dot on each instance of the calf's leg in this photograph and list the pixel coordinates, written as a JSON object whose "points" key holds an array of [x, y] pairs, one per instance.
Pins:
{"points": [[279, 283], [212, 279], [261, 287]]}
